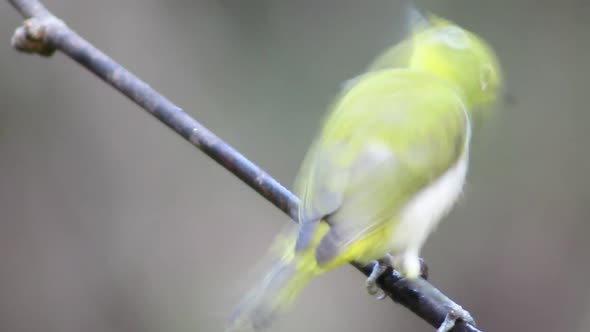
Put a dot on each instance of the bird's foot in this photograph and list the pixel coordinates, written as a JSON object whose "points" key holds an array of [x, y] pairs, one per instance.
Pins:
{"points": [[379, 267], [456, 313]]}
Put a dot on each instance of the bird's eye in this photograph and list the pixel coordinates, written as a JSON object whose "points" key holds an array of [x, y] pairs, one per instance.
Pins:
{"points": [[452, 36]]}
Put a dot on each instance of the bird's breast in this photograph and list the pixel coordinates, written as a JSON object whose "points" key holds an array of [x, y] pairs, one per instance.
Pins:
{"points": [[423, 211]]}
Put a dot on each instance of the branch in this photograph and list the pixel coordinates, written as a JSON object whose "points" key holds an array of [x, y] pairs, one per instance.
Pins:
{"points": [[43, 33]]}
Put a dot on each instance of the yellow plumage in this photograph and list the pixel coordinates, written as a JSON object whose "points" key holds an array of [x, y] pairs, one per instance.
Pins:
{"points": [[387, 165]]}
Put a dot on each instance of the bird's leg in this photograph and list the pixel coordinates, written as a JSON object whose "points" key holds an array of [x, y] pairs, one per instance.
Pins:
{"points": [[379, 267], [455, 313]]}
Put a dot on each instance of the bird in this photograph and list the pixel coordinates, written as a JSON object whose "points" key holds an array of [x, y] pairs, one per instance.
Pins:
{"points": [[388, 163]]}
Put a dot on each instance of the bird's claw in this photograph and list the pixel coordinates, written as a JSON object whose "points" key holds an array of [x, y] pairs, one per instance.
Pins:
{"points": [[372, 287], [456, 313], [379, 267]]}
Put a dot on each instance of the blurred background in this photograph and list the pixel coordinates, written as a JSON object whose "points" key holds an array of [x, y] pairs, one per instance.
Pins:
{"points": [[110, 222]]}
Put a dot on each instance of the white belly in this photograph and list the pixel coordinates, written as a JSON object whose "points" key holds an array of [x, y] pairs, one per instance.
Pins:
{"points": [[423, 212]]}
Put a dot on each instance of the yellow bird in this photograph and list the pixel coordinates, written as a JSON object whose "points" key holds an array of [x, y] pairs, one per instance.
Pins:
{"points": [[389, 162]]}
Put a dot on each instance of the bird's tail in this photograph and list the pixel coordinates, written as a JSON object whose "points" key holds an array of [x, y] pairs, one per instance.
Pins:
{"points": [[278, 289]]}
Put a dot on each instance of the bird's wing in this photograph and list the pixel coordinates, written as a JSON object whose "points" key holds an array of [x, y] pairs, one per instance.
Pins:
{"points": [[377, 150]]}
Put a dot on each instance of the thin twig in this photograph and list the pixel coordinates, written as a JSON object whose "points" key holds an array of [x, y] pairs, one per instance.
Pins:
{"points": [[44, 33]]}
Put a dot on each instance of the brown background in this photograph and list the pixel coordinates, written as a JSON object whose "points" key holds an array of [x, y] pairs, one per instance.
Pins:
{"points": [[110, 222]]}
